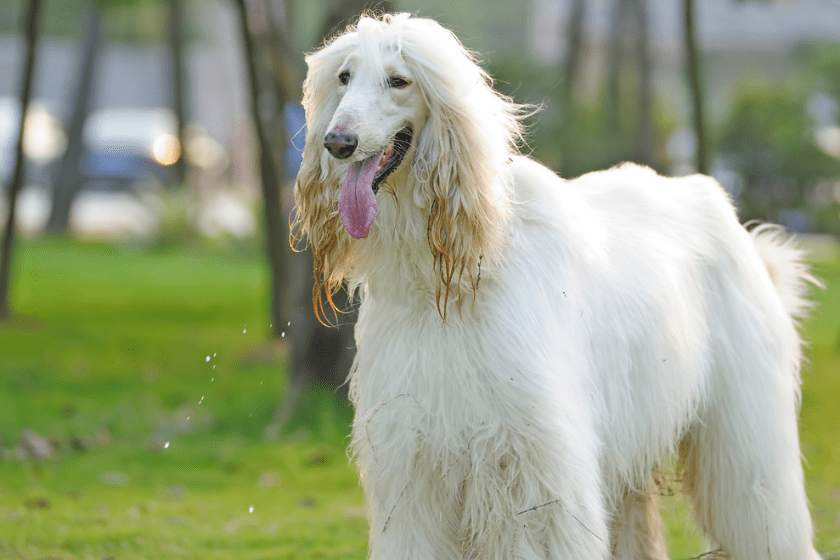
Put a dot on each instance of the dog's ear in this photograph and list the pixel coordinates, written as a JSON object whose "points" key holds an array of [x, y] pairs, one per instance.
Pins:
{"points": [[317, 186], [456, 170], [469, 135]]}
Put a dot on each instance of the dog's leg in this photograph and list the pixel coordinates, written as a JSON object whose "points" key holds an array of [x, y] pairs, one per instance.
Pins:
{"points": [[413, 517], [536, 501], [502, 510], [637, 530], [743, 471]]}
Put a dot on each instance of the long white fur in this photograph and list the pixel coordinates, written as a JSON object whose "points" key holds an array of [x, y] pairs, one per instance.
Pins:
{"points": [[596, 326]]}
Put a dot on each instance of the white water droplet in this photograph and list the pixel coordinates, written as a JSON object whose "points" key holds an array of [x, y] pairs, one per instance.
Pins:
{"points": [[214, 366], [283, 334], [214, 354], [244, 331], [289, 324], [166, 445], [251, 509], [201, 399], [207, 359], [212, 379]]}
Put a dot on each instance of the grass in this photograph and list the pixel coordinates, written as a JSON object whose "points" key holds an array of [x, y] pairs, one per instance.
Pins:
{"points": [[160, 452], [109, 359]]}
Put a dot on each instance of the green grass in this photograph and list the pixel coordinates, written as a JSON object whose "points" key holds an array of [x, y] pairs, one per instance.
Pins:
{"points": [[107, 357], [108, 353], [820, 415]]}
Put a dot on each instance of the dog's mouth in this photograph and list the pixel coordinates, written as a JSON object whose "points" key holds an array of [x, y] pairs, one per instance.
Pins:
{"points": [[392, 156], [357, 201]]}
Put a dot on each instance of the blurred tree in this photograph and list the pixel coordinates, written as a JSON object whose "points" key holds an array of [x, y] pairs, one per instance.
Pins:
{"points": [[290, 278], [630, 25], [270, 172], [642, 151], [176, 51], [694, 71], [618, 20], [570, 72], [280, 49], [30, 29], [68, 180], [314, 348]]}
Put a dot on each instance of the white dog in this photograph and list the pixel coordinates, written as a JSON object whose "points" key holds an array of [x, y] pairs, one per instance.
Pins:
{"points": [[530, 349]]}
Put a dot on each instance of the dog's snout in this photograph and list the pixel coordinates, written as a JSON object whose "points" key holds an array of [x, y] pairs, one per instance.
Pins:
{"points": [[341, 144]]}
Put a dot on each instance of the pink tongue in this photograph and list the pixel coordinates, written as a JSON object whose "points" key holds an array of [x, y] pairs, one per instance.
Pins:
{"points": [[357, 202]]}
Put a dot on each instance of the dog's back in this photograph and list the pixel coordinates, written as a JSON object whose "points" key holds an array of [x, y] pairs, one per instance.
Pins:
{"points": [[696, 344]]}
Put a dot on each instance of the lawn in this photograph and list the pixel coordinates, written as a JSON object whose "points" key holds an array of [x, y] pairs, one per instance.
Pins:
{"points": [[149, 373]]}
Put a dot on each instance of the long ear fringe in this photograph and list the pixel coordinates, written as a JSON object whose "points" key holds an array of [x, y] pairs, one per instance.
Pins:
{"points": [[470, 134], [317, 218]]}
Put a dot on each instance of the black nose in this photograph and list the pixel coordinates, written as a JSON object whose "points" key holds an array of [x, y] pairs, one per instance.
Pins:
{"points": [[341, 144]]}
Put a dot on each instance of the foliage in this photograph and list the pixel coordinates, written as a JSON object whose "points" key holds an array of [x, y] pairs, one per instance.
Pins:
{"points": [[128, 21], [108, 359], [767, 134], [575, 140], [768, 139], [822, 61]]}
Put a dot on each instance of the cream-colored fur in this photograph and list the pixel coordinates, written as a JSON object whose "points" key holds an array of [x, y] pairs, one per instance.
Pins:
{"points": [[530, 348]]}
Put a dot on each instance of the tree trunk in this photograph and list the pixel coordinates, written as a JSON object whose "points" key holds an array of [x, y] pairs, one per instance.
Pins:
{"points": [[570, 72], [643, 148], [31, 32], [68, 181], [573, 53], [695, 84], [314, 348], [276, 229], [613, 103], [176, 51], [280, 50]]}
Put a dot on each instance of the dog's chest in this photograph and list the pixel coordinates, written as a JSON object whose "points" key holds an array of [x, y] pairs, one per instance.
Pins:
{"points": [[437, 387]]}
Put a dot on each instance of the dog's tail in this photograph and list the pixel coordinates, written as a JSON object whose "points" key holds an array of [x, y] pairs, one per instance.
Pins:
{"points": [[785, 262]]}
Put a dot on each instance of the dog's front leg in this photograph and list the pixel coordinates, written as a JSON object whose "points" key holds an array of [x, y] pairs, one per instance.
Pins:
{"points": [[541, 499], [413, 516]]}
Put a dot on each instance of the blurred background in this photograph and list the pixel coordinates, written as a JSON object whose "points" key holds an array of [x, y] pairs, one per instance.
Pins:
{"points": [[147, 154]]}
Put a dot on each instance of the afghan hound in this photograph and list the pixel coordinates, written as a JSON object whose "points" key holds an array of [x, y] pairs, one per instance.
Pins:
{"points": [[530, 349]]}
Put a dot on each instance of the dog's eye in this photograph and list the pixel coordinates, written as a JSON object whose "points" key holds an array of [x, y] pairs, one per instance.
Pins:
{"points": [[344, 78], [398, 82]]}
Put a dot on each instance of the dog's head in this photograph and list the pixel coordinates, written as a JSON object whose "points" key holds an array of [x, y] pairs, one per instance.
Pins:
{"points": [[399, 101]]}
